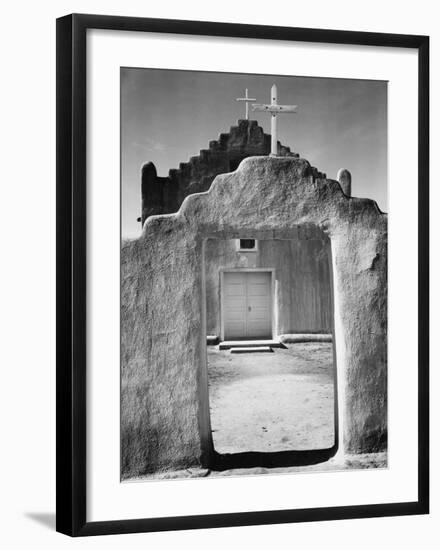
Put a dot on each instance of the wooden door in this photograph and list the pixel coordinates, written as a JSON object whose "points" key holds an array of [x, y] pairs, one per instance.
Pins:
{"points": [[247, 305]]}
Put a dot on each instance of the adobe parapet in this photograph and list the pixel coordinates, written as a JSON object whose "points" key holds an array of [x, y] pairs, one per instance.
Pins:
{"points": [[344, 179], [164, 195]]}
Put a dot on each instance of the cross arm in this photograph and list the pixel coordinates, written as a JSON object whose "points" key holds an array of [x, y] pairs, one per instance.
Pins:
{"points": [[275, 108]]}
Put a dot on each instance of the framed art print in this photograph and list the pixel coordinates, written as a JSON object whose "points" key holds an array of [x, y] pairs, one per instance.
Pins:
{"points": [[242, 274]]}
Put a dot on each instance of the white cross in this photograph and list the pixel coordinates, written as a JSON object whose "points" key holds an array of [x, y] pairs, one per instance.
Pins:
{"points": [[274, 109], [247, 99]]}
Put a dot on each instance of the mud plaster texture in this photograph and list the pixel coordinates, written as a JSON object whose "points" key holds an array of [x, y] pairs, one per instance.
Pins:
{"points": [[165, 421], [164, 195]]}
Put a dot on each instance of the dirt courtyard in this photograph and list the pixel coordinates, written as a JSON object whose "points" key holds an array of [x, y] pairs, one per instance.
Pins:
{"points": [[270, 402]]}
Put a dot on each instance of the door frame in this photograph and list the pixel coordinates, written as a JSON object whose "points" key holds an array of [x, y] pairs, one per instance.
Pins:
{"points": [[273, 309]]}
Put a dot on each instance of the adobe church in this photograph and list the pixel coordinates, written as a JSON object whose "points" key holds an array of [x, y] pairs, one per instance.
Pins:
{"points": [[287, 283], [247, 241]]}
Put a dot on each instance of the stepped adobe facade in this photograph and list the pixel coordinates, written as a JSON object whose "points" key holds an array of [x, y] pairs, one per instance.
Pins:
{"points": [[164, 195]]}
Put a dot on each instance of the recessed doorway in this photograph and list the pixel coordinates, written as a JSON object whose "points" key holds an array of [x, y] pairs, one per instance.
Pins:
{"points": [[270, 357]]}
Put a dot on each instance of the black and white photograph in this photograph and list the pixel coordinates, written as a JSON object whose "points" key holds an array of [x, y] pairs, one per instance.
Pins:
{"points": [[219, 276], [253, 306]]}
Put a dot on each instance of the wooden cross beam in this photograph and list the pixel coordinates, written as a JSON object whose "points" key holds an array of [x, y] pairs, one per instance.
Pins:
{"points": [[274, 109], [247, 100]]}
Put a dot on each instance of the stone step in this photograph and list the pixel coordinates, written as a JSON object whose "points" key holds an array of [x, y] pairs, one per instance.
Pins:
{"points": [[258, 349], [249, 344], [304, 338]]}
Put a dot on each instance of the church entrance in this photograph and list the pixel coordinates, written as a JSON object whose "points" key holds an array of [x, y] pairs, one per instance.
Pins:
{"points": [[270, 355], [246, 304]]}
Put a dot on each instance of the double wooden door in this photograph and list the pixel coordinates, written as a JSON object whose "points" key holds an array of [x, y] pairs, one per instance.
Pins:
{"points": [[247, 305]]}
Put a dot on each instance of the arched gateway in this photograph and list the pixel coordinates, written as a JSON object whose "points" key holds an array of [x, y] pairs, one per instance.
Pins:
{"points": [[165, 421]]}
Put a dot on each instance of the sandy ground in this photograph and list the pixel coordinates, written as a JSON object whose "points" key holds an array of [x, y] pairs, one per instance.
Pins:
{"points": [[272, 402], [276, 401]]}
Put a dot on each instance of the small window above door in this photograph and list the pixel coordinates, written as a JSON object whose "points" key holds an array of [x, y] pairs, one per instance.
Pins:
{"points": [[247, 245]]}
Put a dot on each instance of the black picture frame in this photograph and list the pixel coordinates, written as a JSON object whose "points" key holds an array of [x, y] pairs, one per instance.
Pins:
{"points": [[71, 274]]}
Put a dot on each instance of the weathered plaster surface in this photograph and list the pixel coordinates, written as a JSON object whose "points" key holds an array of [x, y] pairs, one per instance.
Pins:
{"points": [[164, 195], [165, 411], [344, 178]]}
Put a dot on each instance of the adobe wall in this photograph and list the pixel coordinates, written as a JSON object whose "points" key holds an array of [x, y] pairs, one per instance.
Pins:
{"points": [[164, 195], [164, 388], [302, 281]]}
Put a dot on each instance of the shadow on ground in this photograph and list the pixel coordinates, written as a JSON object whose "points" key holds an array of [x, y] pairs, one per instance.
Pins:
{"points": [[280, 459]]}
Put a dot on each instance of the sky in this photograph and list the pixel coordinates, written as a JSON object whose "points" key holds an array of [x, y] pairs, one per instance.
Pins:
{"points": [[167, 116]]}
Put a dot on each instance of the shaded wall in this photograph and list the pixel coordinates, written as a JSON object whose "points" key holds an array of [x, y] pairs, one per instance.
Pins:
{"points": [[302, 280]]}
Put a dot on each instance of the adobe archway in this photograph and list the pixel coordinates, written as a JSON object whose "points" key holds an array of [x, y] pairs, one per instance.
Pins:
{"points": [[164, 408]]}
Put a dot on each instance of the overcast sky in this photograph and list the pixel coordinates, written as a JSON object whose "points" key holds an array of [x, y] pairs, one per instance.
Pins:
{"points": [[167, 116]]}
